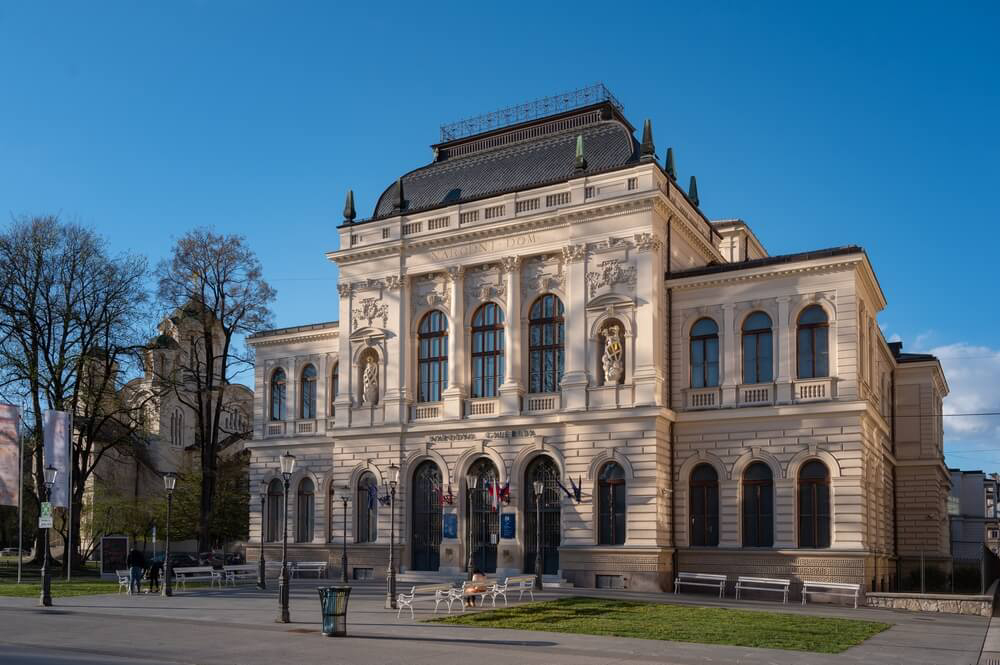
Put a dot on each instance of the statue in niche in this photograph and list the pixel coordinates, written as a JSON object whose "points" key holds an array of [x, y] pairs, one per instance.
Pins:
{"points": [[369, 378], [612, 359]]}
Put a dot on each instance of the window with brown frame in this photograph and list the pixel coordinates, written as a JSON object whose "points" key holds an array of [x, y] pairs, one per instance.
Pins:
{"points": [[814, 505], [813, 342], [432, 356], [758, 506], [704, 497], [487, 350], [546, 332]]}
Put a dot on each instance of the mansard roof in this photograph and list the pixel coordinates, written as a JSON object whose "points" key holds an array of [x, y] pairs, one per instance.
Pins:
{"points": [[517, 157]]}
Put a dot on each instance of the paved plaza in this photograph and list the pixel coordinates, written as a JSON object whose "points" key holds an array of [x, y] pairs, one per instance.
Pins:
{"points": [[236, 626]]}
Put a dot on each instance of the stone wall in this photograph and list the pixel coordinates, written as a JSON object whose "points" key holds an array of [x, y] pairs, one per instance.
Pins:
{"points": [[929, 602]]}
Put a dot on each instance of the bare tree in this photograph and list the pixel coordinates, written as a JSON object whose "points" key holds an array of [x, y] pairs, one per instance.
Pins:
{"points": [[70, 320], [212, 285]]}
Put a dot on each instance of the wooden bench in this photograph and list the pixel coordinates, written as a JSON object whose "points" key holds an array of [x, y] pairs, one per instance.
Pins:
{"points": [[318, 567], [701, 579], [124, 580], [519, 583], [763, 584], [245, 572], [187, 574], [439, 593], [831, 589]]}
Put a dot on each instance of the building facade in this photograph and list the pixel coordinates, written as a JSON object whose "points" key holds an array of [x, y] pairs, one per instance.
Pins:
{"points": [[543, 302]]}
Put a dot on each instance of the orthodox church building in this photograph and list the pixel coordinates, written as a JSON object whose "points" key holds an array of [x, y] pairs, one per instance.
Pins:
{"points": [[561, 362]]}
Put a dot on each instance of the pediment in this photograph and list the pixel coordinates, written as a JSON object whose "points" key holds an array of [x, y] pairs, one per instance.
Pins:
{"points": [[612, 299]]}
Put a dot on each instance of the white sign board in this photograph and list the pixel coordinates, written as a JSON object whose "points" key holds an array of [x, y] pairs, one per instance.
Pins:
{"points": [[45, 516]]}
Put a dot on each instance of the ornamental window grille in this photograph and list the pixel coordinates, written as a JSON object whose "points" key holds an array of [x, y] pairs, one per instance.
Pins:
{"points": [[483, 515], [705, 354], [487, 350], [758, 506], [814, 505], [432, 357], [813, 343], [543, 468], [307, 409], [546, 342], [757, 357], [704, 497], [278, 393], [611, 505]]}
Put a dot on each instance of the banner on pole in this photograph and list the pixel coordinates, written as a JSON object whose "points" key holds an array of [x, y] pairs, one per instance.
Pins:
{"points": [[57, 441], [45, 516], [10, 458]]}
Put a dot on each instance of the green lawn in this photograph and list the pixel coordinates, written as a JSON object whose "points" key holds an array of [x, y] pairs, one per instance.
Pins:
{"points": [[679, 623], [31, 588]]}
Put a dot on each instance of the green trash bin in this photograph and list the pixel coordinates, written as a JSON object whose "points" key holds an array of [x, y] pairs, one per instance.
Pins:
{"points": [[333, 602]]}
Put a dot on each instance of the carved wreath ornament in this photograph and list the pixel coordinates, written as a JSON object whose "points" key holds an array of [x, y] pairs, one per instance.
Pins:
{"points": [[370, 310]]}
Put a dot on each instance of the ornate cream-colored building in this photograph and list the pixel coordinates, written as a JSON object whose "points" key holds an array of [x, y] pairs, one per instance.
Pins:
{"points": [[543, 301]]}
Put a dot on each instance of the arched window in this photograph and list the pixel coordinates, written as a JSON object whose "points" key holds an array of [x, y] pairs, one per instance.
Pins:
{"points": [[545, 345], [487, 350], [813, 343], [366, 508], [432, 357], [814, 505], [334, 386], [704, 354], [177, 428], [272, 523], [704, 506], [308, 407], [758, 506], [278, 395], [757, 364], [305, 512], [611, 505], [611, 353]]}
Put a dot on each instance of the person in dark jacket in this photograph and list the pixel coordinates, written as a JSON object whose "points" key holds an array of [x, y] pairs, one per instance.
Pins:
{"points": [[154, 576], [136, 563]]}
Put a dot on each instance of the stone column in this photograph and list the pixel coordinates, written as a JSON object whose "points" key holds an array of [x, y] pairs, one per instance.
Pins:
{"points": [[346, 371], [396, 403], [783, 381], [648, 379], [576, 377], [512, 388], [730, 355], [454, 395]]}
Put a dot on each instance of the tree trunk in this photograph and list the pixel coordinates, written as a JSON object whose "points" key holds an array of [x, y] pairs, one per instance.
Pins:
{"points": [[206, 513]]}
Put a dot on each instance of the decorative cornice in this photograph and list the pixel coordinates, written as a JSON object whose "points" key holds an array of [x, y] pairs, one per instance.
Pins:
{"points": [[736, 277]]}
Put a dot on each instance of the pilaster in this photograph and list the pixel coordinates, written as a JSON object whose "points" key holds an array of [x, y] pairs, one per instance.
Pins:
{"points": [[730, 369], [396, 403], [784, 380], [455, 392], [512, 388], [346, 372], [575, 378], [647, 378]]}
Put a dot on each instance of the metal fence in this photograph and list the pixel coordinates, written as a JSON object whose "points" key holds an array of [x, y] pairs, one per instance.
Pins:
{"points": [[973, 569]]}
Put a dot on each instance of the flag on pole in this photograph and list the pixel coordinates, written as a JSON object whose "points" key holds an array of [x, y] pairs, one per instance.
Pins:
{"points": [[56, 428], [10, 473]]}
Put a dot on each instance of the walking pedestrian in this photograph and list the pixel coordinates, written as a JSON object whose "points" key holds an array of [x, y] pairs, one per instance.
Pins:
{"points": [[136, 563]]}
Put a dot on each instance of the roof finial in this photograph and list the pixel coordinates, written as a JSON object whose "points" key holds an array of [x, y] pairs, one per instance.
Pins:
{"points": [[400, 198], [648, 150], [581, 161], [669, 166], [693, 192], [349, 212]]}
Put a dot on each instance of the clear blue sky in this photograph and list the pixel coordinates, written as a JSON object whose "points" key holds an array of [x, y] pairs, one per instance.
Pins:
{"points": [[851, 123]]}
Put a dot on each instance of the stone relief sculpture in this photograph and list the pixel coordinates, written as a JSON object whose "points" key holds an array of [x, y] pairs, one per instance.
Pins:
{"points": [[609, 273], [612, 359], [369, 395]]}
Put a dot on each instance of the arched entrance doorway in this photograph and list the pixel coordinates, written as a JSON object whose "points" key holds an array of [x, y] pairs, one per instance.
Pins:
{"points": [[483, 515], [425, 536], [542, 468]]}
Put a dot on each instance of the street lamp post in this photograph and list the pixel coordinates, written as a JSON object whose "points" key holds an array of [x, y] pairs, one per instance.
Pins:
{"points": [[539, 490], [261, 570], [471, 480], [287, 467], [346, 498], [46, 597], [390, 580], [169, 483]]}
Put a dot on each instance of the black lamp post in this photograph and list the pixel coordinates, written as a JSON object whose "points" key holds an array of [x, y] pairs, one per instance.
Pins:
{"points": [[539, 490], [46, 597], [346, 498], [169, 483], [261, 570], [287, 467], [471, 480], [390, 579]]}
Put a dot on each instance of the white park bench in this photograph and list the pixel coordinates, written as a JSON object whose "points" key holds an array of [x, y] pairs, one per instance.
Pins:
{"points": [[763, 584], [472, 589], [124, 581], [519, 583], [245, 572], [318, 567], [701, 579], [187, 574], [439, 593], [841, 589]]}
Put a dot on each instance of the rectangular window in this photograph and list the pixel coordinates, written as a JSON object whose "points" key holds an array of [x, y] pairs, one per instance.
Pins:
{"points": [[468, 217], [588, 192], [494, 211], [526, 205], [437, 223], [385, 233], [633, 183], [412, 227], [557, 199]]}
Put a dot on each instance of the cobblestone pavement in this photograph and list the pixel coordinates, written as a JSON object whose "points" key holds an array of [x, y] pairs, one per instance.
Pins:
{"points": [[237, 626]]}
